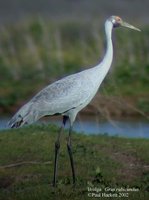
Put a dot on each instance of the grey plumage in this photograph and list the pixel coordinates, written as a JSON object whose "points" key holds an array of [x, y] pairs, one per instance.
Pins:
{"points": [[65, 96]]}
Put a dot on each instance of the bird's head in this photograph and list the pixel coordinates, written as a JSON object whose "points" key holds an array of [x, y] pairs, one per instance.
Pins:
{"points": [[117, 22]]}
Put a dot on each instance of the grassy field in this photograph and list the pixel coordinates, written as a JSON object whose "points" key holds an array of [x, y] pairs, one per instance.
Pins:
{"points": [[26, 165]]}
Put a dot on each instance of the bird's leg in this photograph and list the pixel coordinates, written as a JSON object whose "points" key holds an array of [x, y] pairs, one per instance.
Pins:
{"points": [[69, 148], [57, 147]]}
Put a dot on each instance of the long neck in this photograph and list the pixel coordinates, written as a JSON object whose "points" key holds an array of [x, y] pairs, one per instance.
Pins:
{"points": [[107, 60], [103, 67]]}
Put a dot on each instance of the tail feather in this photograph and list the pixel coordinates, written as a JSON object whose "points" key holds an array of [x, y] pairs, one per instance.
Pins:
{"points": [[17, 121], [22, 117]]}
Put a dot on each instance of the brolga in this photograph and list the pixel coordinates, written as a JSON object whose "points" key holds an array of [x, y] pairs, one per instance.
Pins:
{"points": [[69, 95]]}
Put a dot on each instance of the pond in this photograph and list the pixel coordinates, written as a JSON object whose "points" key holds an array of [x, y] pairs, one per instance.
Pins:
{"points": [[137, 128]]}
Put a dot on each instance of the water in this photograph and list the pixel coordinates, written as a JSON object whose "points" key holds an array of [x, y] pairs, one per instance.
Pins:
{"points": [[125, 128]]}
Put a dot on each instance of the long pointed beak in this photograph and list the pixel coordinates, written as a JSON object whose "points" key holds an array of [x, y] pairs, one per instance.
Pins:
{"points": [[125, 24]]}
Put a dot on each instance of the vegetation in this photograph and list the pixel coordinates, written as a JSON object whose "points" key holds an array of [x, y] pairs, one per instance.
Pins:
{"points": [[37, 52], [27, 154]]}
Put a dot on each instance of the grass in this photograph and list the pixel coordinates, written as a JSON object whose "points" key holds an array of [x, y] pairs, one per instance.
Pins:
{"points": [[100, 161]]}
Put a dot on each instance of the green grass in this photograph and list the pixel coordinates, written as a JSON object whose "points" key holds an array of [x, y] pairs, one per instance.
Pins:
{"points": [[100, 161]]}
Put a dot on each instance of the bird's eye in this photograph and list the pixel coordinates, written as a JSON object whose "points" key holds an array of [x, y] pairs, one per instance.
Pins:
{"points": [[118, 19]]}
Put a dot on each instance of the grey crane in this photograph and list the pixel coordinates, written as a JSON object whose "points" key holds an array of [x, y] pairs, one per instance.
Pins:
{"points": [[69, 95]]}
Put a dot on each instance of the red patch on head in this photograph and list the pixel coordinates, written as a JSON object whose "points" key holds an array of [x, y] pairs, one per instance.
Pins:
{"points": [[118, 18]]}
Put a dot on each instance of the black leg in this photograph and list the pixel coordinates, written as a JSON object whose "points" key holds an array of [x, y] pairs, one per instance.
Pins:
{"points": [[57, 147], [69, 148]]}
